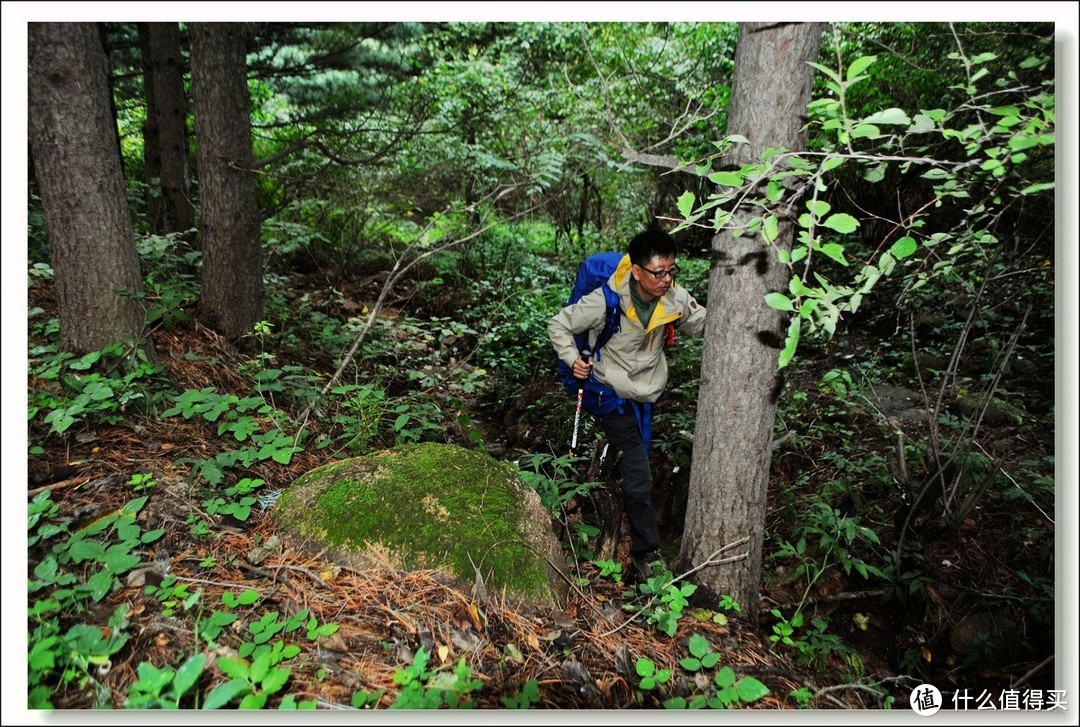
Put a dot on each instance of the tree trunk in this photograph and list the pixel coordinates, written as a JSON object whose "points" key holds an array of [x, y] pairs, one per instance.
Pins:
{"points": [[165, 148], [740, 382], [74, 144], [232, 292]]}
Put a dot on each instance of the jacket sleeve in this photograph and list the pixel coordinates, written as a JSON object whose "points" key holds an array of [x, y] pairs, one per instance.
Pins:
{"points": [[587, 313], [693, 318]]}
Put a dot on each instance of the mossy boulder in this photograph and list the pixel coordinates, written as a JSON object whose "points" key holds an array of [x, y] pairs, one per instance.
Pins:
{"points": [[432, 506]]}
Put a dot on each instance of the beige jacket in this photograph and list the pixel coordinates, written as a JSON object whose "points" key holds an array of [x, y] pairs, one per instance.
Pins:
{"points": [[632, 363]]}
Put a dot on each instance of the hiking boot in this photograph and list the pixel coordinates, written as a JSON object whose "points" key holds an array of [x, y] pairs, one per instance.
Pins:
{"points": [[642, 564]]}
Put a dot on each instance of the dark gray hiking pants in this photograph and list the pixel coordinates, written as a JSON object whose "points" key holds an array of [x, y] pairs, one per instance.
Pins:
{"points": [[636, 480]]}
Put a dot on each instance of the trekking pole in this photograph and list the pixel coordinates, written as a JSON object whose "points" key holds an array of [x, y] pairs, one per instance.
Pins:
{"points": [[577, 410]]}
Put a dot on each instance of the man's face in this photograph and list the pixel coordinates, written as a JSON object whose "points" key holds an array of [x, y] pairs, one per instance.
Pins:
{"points": [[649, 285]]}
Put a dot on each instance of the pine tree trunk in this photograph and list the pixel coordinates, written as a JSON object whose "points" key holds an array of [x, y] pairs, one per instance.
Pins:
{"points": [[165, 144], [740, 382], [74, 145], [232, 293]]}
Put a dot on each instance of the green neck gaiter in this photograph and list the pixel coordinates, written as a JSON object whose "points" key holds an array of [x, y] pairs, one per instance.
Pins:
{"points": [[644, 310]]}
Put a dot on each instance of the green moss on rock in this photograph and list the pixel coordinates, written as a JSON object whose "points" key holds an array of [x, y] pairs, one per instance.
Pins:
{"points": [[431, 506]]}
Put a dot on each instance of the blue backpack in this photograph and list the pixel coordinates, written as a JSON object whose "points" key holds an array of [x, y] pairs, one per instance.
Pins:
{"points": [[593, 273]]}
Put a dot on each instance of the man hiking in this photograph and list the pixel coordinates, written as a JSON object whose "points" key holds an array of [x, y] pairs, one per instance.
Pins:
{"points": [[625, 375]]}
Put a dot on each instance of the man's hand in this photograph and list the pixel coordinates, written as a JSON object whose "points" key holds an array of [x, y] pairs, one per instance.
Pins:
{"points": [[581, 368]]}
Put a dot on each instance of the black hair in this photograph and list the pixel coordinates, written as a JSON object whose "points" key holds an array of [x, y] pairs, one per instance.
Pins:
{"points": [[651, 243]]}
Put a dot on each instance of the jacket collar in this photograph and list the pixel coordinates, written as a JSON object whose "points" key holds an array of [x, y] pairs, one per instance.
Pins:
{"points": [[620, 283]]}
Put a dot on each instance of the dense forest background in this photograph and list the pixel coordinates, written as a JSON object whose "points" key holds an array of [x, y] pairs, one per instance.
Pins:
{"points": [[267, 245]]}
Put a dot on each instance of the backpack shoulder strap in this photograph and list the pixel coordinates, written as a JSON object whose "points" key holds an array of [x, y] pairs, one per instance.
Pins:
{"points": [[612, 318]]}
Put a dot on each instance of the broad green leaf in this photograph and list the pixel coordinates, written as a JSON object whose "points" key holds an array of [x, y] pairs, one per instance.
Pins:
{"points": [[771, 229], [858, 66], [923, 122], [276, 679], [188, 674], [726, 179], [686, 203], [151, 679], [983, 58], [875, 173], [870, 275], [645, 667], [133, 506], [698, 645], [865, 131], [750, 689], [779, 301], [254, 701], [46, 569], [834, 251], [725, 677], [86, 549], [1017, 143], [831, 163], [888, 116], [798, 288], [212, 472], [233, 668], [818, 207], [118, 561], [1041, 186], [826, 70], [903, 247], [790, 344], [246, 598], [259, 667], [841, 222], [42, 654], [689, 663]]}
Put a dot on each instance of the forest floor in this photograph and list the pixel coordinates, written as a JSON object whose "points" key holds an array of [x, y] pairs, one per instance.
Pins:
{"points": [[581, 656]]}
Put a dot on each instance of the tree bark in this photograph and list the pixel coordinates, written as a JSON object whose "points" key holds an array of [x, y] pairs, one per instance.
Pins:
{"points": [[165, 147], [74, 144], [232, 292], [740, 381]]}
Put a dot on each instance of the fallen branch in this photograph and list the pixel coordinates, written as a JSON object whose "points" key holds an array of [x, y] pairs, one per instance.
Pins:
{"points": [[835, 598], [58, 485]]}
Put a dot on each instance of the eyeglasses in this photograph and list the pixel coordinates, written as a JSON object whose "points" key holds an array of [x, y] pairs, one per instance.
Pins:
{"points": [[659, 274]]}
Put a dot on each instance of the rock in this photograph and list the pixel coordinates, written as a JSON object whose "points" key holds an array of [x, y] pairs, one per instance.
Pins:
{"points": [[432, 506]]}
